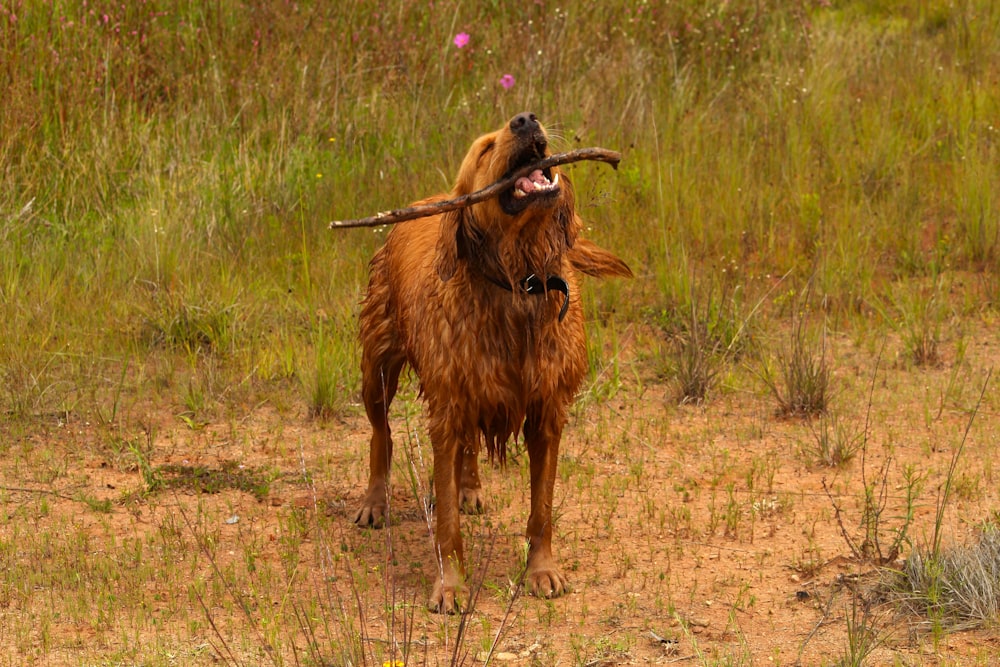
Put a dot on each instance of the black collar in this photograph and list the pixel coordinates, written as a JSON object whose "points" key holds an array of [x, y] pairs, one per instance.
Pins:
{"points": [[532, 284]]}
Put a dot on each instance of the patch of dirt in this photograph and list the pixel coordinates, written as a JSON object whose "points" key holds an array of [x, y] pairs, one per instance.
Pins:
{"points": [[693, 534]]}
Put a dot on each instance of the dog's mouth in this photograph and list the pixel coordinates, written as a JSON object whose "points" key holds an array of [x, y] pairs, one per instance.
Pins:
{"points": [[541, 185], [537, 182]]}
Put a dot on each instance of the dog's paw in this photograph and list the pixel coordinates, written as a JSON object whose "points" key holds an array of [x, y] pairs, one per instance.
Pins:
{"points": [[470, 501], [371, 514], [374, 506], [448, 599], [546, 582]]}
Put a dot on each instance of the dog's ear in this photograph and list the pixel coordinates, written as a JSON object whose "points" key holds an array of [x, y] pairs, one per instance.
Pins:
{"points": [[449, 243], [589, 258]]}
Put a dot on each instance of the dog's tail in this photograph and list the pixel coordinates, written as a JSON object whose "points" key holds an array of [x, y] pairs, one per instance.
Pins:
{"points": [[588, 257]]}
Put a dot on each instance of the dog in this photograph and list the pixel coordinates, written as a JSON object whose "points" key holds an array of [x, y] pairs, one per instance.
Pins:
{"points": [[483, 304]]}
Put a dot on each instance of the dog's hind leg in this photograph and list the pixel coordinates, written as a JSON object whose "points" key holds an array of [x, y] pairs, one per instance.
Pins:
{"points": [[380, 379], [470, 489]]}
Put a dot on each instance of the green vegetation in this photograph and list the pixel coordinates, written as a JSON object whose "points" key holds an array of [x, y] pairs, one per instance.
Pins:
{"points": [[168, 169]]}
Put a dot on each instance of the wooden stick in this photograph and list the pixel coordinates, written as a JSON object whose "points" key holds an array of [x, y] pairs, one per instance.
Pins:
{"points": [[425, 210]]}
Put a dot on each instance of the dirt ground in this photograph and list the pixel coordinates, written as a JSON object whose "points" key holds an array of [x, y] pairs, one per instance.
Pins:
{"points": [[706, 535]]}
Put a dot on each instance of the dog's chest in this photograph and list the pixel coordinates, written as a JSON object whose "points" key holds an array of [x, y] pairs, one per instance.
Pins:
{"points": [[502, 350]]}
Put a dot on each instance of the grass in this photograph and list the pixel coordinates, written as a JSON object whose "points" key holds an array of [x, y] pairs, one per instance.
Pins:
{"points": [[802, 388], [201, 157], [954, 588], [795, 175], [714, 333], [834, 443]]}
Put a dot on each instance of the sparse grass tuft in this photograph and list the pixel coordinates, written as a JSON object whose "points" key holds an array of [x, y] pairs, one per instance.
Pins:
{"points": [[834, 443], [864, 633], [712, 332], [696, 362], [804, 386], [329, 379], [921, 313], [954, 589], [191, 328]]}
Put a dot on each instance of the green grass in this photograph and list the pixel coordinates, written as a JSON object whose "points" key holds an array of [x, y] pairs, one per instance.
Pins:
{"points": [[169, 170]]}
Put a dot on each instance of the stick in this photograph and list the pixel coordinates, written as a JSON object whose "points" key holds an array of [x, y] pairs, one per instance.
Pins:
{"points": [[425, 210]]}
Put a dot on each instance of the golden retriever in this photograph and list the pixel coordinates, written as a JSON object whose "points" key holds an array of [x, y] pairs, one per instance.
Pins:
{"points": [[483, 304]]}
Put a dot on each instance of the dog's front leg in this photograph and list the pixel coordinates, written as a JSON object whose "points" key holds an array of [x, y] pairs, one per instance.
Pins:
{"points": [[450, 592], [542, 431]]}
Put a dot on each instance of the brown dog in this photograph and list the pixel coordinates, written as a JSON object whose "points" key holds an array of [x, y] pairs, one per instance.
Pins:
{"points": [[483, 304]]}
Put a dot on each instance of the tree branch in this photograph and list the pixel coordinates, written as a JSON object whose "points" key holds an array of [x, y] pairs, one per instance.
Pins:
{"points": [[425, 210]]}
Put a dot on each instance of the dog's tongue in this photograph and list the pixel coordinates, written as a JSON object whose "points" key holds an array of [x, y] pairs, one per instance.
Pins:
{"points": [[531, 181]]}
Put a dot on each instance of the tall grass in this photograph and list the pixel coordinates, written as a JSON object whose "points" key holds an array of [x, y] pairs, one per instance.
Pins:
{"points": [[161, 161]]}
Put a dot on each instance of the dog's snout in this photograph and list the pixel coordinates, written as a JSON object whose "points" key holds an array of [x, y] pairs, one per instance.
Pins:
{"points": [[524, 123]]}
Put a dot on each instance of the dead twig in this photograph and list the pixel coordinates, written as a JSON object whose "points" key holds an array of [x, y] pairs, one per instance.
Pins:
{"points": [[425, 210]]}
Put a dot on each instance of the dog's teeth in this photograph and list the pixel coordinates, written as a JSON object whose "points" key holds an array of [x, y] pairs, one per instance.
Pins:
{"points": [[535, 182]]}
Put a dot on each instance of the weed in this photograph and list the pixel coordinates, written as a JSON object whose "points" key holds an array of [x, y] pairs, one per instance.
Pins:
{"points": [[953, 467], [331, 374], [804, 387], [150, 476], [733, 511], [864, 634], [880, 541], [680, 522], [809, 563], [760, 476], [959, 587], [954, 589], [834, 443]]}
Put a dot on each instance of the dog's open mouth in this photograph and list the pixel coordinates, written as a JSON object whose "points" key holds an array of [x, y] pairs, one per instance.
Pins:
{"points": [[541, 185], [534, 183]]}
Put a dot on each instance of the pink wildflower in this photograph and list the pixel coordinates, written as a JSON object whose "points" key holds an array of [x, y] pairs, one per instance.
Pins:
{"points": [[507, 81], [461, 39]]}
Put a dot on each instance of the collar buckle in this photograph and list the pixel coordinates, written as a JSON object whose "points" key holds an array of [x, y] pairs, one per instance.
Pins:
{"points": [[534, 285]]}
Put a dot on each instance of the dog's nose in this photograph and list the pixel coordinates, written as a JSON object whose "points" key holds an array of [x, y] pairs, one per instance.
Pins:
{"points": [[524, 123]]}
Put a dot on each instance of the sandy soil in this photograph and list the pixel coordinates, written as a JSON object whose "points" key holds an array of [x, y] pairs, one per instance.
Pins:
{"points": [[691, 534]]}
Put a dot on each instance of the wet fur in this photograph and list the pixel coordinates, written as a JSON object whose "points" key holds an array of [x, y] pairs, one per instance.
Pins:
{"points": [[491, 362]]}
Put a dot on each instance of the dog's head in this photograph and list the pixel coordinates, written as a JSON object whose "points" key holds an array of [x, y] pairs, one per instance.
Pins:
{"points": [[535, 215]]}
